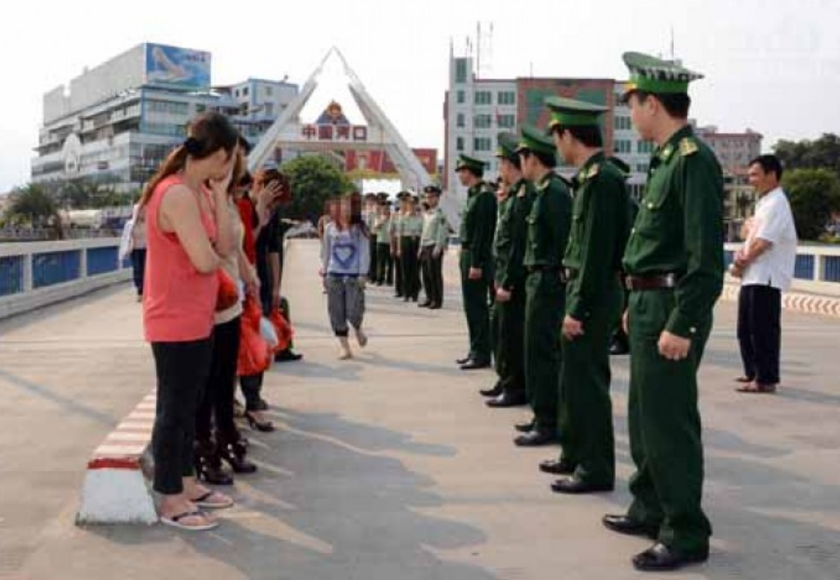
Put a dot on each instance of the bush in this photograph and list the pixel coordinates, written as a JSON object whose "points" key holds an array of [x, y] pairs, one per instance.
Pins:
{"points": [[813, 195]]}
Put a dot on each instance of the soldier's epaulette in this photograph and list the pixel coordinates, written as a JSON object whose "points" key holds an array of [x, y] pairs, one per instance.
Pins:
{"points": [[593, 171], [688, 146], [522, 191]]}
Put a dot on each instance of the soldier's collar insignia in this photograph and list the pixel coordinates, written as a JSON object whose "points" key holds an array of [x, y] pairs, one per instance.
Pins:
{"points": [[688, 146], [666, 152]]}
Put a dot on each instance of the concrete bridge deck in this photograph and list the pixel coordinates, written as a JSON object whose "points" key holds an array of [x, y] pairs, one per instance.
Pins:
{"points": [[390, 467]]}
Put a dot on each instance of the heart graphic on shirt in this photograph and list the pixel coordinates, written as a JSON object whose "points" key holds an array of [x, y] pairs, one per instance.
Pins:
{"points": [[344, 253]]}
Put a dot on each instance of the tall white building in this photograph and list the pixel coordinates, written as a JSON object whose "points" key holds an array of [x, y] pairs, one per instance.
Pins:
{"points": [[476, 111], [117, 122]]}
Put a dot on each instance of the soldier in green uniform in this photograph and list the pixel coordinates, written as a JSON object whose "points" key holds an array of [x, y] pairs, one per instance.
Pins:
{"points": [[396, 234], [509, 306], [369, 215], [674, 265], [382, 229], [594, 298], [411, 228], [433, 242], [548, 233], [476, 261]]}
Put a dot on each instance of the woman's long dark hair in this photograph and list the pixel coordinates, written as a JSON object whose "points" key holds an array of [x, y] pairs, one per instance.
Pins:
{"points": [[206, 134], [356, 214]]}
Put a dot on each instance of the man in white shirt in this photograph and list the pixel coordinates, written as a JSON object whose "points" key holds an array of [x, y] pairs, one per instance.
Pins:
{"points": [[765, 266]]}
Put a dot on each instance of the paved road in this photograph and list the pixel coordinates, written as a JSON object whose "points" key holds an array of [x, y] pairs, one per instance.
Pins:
{"points": [[389, 467]]}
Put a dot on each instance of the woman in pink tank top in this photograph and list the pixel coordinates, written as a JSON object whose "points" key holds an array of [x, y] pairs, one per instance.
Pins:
{"points": [[188, 237]]}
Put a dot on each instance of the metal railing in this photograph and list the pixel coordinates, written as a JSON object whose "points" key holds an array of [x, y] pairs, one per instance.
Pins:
{"points": [[34, 274], [817, 267]]}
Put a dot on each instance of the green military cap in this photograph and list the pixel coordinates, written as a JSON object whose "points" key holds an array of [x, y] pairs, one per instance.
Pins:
{"points": [[533, 139], [655, 75], [434, 189], [507, 146], [466, 162], [403, 195], [572, 113], [370, 196]]}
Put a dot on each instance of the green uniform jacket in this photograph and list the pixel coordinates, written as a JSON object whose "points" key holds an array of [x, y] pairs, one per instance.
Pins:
{"points": [[412, 225], [600, 227], [478, 225], [679, 228], [383, 230], [503, 239], [548, 223], [512, 276]]}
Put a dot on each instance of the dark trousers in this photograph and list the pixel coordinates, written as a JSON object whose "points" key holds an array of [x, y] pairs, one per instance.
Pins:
{"points": [[410, 266], [586, 419], [216, 404], [252, 389], [384, 264], [399, 285], [666, 441], [138, 266], [432, 275], [760, 332], [477, 309], [545, 303], [509, 322], [373, 272], [182, 371]]}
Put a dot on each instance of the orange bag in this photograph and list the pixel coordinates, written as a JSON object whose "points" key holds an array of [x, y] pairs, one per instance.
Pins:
{"points": [[228, 294], [254, 352], [282, 328]]}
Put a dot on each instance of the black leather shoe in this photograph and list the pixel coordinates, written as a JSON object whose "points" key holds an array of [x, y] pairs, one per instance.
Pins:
{"points": [[506, 400], [495, 391], [435, 306], [524, 427], [628, 526], [474, 365], [287, 356], [463, 361], [424, 305], [535, 438], [660, 557], [575, 485], [557, 467]]}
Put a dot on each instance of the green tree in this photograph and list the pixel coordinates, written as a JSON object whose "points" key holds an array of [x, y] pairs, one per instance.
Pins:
{"points": [[823, 153], [32, 206], [314, 180], [813, 194]]}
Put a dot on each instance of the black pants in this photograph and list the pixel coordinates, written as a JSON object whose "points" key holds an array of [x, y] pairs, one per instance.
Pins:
{"points": [[432, 275], [760, 332], [216, 404], [182, 371], [252, 389], [138, 266], [373, 273], [399, 283], [410, 267], [384, 264]]}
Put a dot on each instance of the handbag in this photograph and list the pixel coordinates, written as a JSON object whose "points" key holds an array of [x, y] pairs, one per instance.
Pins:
{"points": [[228, 294]]}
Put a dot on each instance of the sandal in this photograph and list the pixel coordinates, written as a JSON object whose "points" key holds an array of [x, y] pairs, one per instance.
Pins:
{"points": [[175, 522], [748, 388], [744, 379], [213, 501]]}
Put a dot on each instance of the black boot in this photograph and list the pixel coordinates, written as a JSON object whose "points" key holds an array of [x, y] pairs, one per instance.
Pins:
{"points": [[234, 454], [208, 464]]}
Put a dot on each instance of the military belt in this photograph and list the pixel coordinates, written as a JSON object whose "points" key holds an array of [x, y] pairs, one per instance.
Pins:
{"points": [[663, 281]]}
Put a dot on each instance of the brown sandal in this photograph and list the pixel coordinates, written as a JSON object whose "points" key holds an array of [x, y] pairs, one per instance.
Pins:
{"points": [[749, 388]]}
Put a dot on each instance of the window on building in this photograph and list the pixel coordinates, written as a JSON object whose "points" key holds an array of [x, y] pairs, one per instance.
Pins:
{"points": [[461, 97], [459, 144], [269, 91], [460, 122], [506, 121], [269, 109], [623, 123], [482, 144], [483, 98], [245, 92], [507, 98], [623, 146], [460, 70], [483, 121], [200, 108], [644, 147]]}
